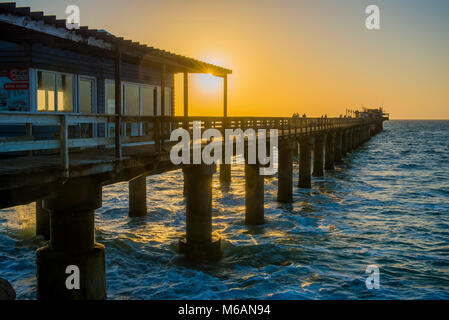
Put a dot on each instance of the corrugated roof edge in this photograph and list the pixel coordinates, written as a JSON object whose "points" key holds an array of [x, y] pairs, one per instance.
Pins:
{"points": [[205, 67]]}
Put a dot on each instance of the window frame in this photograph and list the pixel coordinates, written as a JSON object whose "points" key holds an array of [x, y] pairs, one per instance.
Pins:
{"points": [[94, 93], [35, 88]]}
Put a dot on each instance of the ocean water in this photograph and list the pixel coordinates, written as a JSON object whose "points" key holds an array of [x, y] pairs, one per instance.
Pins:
{"points": [[387, 204]]}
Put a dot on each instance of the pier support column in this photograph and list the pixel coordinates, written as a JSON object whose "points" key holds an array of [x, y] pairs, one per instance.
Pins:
{"points": [[254, 195], [72, 252], [42, 221], [359, 137], [285, 171], [225, 173], [138, 196], [354, 137], [305, 161], [338, 145], [344, 141], [330, 151], [199, 243], [350, 139], [318, 155]]}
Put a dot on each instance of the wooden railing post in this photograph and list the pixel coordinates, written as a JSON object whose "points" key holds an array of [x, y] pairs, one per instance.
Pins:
{"points": [[118, 103], [157, 135], [64, 145], [29, 133]]}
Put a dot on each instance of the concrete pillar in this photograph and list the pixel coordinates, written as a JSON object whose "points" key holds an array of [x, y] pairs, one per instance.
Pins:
{"points": [[254, 195], [318, 155], [358, 140], [330, 151], [350, 137], [285, 171], [344, 140], [225, 173], [338, 145], [354, 135], [7, 292], [199, 243], [138, 196], [42, 221], [357, 137], [305, 161], [72, 234]]}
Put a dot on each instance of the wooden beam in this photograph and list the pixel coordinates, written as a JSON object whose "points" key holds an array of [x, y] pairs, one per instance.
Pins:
{"points": [[186, 94], [118, 102], [225, 95], [164, 68], [63, 145]]}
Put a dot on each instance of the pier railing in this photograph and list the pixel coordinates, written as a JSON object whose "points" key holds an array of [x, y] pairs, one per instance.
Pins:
{"points": [[66, 131]]}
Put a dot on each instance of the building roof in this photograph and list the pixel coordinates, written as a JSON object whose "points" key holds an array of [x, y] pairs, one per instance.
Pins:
{"points": [[23, 17]]}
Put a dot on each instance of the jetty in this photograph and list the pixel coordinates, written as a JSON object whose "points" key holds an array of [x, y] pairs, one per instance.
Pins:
{"points": [[82, 109]]}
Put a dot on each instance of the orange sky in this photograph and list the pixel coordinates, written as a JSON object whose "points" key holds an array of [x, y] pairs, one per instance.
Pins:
{"points": [[315, 57]]}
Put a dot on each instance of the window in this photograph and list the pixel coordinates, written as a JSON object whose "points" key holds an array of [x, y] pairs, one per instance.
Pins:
{"points": [[46, 88], [110, 97], [147, 101], [87, 95], [138, 100], [167, 94], [48, 83], [132, 108], [65, 93], [132, 100]]}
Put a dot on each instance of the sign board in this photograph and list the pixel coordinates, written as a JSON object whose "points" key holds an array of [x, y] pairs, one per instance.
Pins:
{"points": [[14, 90]]}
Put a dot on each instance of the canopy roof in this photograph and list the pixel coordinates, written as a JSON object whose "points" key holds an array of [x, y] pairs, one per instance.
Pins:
{"points": [[29, 26]]}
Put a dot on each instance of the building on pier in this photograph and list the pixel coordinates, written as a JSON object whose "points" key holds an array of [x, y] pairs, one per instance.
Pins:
{"points": [[46, 68]]}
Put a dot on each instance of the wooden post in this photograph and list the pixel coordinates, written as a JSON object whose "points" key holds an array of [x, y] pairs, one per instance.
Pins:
{"points": [[118, 103], [63, 140], [29, 133], [186, 100], [225, 169], [186, 94], [163, 90], [225, 95]]}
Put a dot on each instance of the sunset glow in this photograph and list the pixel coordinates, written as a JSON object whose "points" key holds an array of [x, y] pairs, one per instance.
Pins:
{"points": [[315, 57]]}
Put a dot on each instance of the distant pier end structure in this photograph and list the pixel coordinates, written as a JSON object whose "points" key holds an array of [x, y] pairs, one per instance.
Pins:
{"points": [[81, 109]]}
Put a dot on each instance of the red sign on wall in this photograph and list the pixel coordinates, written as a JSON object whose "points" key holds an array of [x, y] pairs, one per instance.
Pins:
{"points": [[14, 90]]}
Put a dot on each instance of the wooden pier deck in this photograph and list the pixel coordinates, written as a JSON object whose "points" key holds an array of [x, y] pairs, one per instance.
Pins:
{"points": [[26, 178], [64, 174]]}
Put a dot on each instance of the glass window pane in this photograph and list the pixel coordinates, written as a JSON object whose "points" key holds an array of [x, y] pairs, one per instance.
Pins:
{"points": [[110, 97], [132, 100], [167, 108], [65, 93], [45, 91], [147, 101], [86, 96], [157, 91]]}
